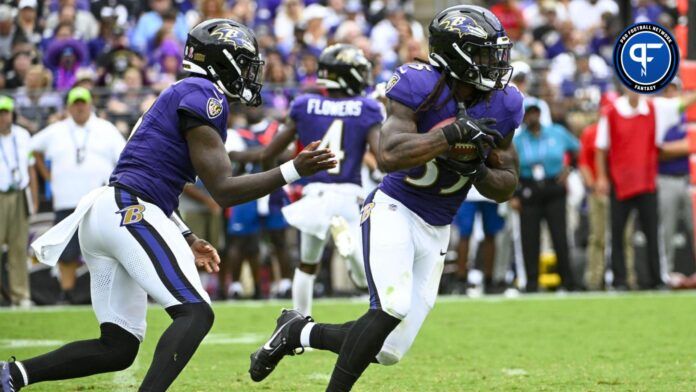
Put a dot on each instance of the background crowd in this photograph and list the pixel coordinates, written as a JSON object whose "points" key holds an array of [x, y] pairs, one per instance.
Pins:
{"points": [[78, 74]]}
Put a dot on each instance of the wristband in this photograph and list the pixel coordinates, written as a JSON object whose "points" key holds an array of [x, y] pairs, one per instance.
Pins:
{"points": [[452, 133], [185, 231], [289, 172]]}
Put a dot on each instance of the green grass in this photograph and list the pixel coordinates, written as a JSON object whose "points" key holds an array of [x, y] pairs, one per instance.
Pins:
{"points": [[540, 343]]}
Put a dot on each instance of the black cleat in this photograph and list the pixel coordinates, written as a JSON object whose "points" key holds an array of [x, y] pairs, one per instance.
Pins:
{"points": [[265, 359]]}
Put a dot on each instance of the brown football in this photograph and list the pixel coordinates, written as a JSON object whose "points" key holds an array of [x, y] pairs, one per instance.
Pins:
{"points": [[464, 152]]}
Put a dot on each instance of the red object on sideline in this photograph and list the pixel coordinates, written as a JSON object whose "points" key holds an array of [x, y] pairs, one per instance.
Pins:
{"points": [[632, 153]]}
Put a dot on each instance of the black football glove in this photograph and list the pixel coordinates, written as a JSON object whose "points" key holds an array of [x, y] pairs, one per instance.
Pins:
{"points": [[476, 170], [467, 130]]}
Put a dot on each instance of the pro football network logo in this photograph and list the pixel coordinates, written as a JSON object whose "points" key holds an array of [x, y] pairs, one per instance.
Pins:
{"points": [[646, 57]]}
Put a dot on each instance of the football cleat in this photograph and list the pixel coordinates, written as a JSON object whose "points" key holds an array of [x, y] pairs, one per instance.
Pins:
{"points": [[265, 359], [6, 383]]}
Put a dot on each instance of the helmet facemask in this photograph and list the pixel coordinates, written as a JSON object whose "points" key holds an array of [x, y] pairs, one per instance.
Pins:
{"points": [[488, 65], [246, 84]]}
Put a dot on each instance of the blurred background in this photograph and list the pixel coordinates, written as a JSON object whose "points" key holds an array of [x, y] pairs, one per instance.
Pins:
{"points": [[124, 52]]}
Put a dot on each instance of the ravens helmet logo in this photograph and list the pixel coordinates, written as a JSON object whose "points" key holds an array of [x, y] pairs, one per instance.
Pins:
{"points": [[232, 35], [463, 25]]}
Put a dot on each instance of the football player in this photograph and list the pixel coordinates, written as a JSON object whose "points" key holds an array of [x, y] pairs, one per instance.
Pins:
{"points": [[405, 222], [132, 241], [346, 121]]}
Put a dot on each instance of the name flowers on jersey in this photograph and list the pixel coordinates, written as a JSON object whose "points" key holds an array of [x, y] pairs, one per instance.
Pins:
{"points": [[334, 108], [214, 107]]}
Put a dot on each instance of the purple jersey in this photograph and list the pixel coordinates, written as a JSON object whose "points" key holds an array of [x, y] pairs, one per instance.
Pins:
{"points": [[432, 193], [342, 124], [155, 162]]}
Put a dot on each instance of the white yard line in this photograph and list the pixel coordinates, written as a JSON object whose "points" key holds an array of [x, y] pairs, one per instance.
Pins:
{"points": [[21, 343], [276, 303]]}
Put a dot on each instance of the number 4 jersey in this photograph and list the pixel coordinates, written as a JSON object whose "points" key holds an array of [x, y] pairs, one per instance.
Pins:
{"points": [[429, 191], [342, 124]]}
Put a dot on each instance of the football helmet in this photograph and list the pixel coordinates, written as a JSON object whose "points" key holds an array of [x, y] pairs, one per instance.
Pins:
{"points": [[226, 53], [469, 43], [344, 67]]}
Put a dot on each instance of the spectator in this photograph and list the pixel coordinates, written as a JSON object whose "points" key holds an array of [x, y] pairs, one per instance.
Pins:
{"points": [[109, 31], [83, 150], [112, 65], [674, 199], [35, 105], [85, 77], [542, 192], [510, 15], [150, 23], [522, 77], [17, 175], [7, 31], [315, 34], [244, 11], [128, 101], [167, 64], [207, 9], [289, 17], [27, 23], [587, 14], [385, 36], [64, 57], [598, 206], [84, 23], [24, 55], [627, 138]]}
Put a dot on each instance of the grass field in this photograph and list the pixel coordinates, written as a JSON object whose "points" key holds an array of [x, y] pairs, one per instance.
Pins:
{"points": [[634, 342]]}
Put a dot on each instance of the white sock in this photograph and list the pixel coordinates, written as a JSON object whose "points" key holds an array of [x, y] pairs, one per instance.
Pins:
{"points": [[25, 377], [284, 285], [304, 335], [302, 291], [237, 288]]}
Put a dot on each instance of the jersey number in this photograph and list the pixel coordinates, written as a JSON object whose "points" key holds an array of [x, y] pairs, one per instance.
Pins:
{"points": [[430, 176], [333, 139]]}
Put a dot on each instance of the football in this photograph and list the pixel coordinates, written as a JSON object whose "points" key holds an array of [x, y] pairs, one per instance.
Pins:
{"points": [[464, 152]]}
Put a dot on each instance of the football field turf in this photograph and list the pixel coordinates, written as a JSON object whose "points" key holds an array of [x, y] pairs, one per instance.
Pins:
{"points": [[603, 342]]}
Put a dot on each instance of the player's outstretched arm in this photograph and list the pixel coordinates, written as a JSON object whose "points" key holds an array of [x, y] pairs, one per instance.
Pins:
{"points": [[274, 149], [401, 146], [504, 172], [213, 166]]}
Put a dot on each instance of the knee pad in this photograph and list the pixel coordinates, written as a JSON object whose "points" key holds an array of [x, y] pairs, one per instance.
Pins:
{"points": [[396, 306], [122, 345], [200, 313]]}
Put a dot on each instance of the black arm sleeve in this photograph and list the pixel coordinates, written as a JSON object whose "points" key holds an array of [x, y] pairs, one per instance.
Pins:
{"points": [[188, 120]]}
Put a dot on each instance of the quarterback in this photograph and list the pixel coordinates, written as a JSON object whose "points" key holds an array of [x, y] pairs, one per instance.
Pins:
{"points": [[449, 127], [133, 242]]}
